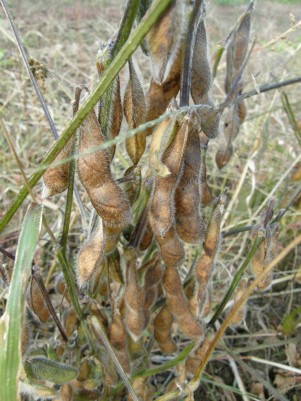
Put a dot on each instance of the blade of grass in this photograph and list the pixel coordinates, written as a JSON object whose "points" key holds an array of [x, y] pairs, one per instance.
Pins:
{"points": [[291, 116], [121, 58], [12, 321]]}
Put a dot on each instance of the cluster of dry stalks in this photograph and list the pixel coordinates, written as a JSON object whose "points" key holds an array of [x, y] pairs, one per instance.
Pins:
{"points": [[128, 271]]}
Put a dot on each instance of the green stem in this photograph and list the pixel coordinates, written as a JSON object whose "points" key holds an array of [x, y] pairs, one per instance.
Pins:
{"points": [[126, 25], [121, 58], [218, 55], [237, 278]]}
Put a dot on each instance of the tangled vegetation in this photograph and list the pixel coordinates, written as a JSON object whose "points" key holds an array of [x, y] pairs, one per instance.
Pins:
{"points": [[138, 255]]}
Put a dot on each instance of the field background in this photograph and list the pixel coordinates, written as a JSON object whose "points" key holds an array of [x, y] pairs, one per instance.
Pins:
{"points": [[65, 36]]}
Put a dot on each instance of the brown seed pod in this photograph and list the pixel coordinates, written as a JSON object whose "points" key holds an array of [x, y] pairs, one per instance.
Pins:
{"points": [[162, 209], [90, 255], [36, 301], [114, 267], [163, 134], [164, 40], [70, 321], [178, 304], [56, 178], [84, 371], [109, 201], [111, 234], [201, 83], [142, 388], [116, 115], [195, 358], [237, 47], [61, 288], [146, 238], [134, 318], [152, 280], [205, 264], [162, 331], [233, 120], [190, 225], [171, 248], [206, 195], [223, 155], [135, 113], [132, 186], [118, 340], [66, 392], [159, 96]]}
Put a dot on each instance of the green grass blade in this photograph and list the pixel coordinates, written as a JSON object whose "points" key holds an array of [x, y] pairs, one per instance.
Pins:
{"points": [[12, 320]]}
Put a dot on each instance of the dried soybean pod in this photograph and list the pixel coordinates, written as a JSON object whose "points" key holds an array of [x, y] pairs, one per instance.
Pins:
{"points": [[109, 201], [56, 178], [165, 128], [146, 238], [190, 224], [143, 389], [237, 47], [134, 318], [171, 247], [66, 392], [206, 195], [162, 331], [152, 281], [194, 359], [114, 268], [133, 185], [164, 40], [159, 95], [37, 302], [116, 115], [61, 288], [201, 80], [111, 238], [212, 239], [178, 304], [162, 208], [223, 155], [90, 255], [205, 264], [117, 336], [70, 321], [201, 72], [135, 113]]}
